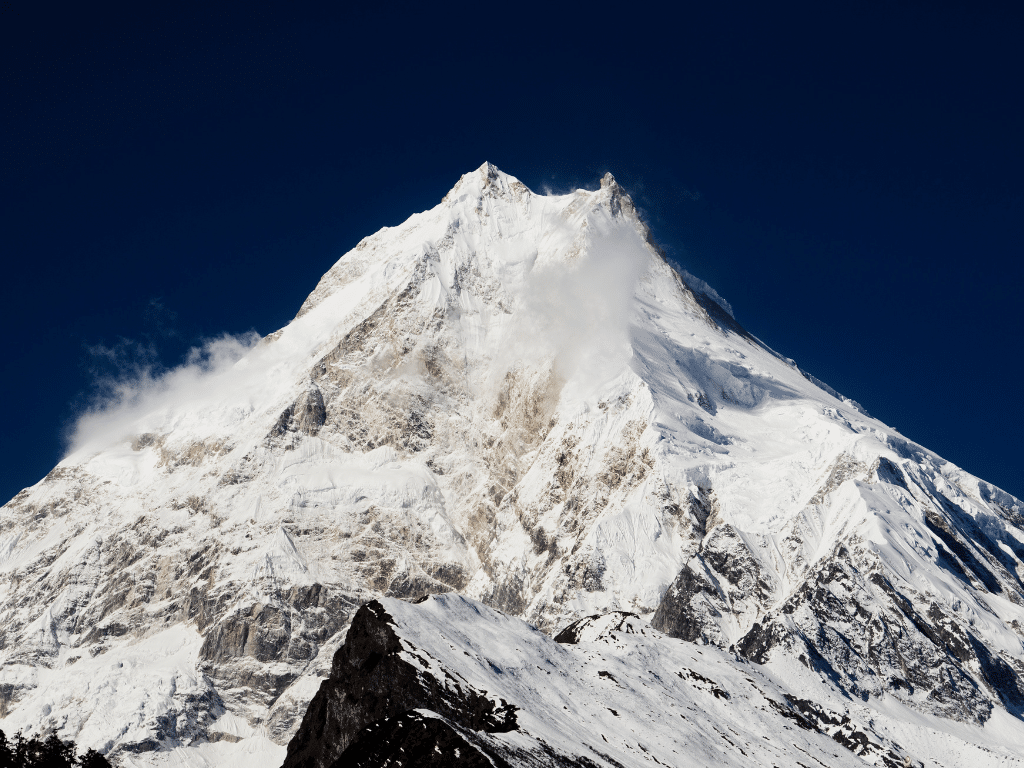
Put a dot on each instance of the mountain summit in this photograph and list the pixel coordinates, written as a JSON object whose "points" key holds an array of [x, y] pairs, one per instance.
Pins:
{"points": [[515, 397]]}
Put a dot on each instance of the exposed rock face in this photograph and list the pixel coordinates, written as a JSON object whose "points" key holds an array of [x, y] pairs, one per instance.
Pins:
{"points": [[512, 396], [306, 415], [724, 578], [421, 739], [371, 681], [854, 619]]}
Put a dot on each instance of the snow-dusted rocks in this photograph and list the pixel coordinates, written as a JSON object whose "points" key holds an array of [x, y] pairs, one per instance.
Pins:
{"points": [[515, 397], [449, 681]]}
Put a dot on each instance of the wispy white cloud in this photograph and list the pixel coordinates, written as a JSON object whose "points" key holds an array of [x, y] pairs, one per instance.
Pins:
{"points": [[575, 315], [130, 382]]}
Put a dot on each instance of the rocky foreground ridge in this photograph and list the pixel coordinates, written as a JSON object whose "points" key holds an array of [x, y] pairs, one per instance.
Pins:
{"points": [[513, 397], [450, 682]]}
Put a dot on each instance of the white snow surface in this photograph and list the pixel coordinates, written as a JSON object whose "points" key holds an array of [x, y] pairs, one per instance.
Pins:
{"points": [[521, 395], [627, 692]]}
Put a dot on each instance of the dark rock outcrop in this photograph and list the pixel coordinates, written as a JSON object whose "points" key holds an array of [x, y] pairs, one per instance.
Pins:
{"points": [[573, 633], [724, 573], [415, 738], [370, 683]]}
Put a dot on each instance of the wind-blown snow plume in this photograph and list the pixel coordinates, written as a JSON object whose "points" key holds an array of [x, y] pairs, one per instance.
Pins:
{"points": [[140, 387], [575, 315]]}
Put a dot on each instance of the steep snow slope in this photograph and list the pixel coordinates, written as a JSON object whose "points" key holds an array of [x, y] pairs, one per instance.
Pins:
{"points": [[512, 396], [451, 682], [616, 693]]}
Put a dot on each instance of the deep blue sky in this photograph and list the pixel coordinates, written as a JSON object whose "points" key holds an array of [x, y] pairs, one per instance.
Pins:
{"points": [[848, 176]]}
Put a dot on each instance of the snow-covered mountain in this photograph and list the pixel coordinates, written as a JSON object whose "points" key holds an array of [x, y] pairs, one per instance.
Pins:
{"points": [[515, 397]]}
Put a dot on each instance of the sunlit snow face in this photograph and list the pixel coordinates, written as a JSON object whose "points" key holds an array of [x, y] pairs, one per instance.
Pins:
{"points": [[571, 317]]}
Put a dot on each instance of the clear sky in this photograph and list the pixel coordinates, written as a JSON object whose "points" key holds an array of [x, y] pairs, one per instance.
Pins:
{"points": [[848, 176]]}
